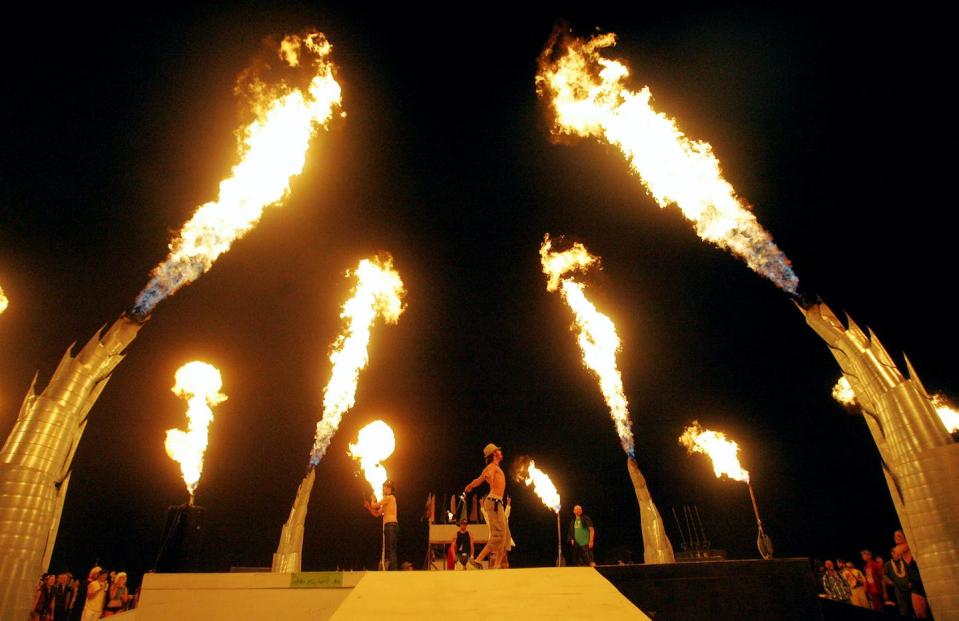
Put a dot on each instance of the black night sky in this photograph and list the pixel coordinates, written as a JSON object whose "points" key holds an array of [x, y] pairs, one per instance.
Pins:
{"points": [[837, 129]]}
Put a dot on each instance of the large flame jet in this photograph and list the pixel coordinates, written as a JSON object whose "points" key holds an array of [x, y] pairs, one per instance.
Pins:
{"points": [[379, 293], [199, 383], [35, 461], [4, 301], [588, 97], [599, 342], [272, 149]]}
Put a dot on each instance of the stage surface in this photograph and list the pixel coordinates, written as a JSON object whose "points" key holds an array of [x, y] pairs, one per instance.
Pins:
{"points": [[540, 593]]}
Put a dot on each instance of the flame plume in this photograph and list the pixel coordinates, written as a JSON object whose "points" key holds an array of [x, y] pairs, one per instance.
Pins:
{"points": [[532, 476], [596, 333], [199, 383], [4, 302], [843, 392], [588, 98], [722, 452], [374, 444], [379, 292], [272, 149], [948, 414]]}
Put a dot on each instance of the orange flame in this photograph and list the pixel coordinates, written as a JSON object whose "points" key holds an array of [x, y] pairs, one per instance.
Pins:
{"points": [[541, 484], [588, 98], [4, 302], [272, 149], [948, 414], [843, 392], [199, 383], [374, 444], [597, 334], [379, 292], [723, 453]]}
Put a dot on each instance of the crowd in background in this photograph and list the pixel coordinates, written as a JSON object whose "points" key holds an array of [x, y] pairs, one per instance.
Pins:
{"points": [[61, 597], [892, 586]]}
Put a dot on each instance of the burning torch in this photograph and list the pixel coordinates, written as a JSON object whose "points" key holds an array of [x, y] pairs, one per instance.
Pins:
{"points": [[527, 472], [725, 459]]}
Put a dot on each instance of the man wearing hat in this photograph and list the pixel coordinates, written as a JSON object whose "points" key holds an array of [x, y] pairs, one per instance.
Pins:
{"points": [[493, 505]]}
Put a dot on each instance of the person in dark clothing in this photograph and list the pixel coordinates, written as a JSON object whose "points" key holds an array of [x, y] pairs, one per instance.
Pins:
{"points": [[62, 597], [581, 536], [462, 545]]}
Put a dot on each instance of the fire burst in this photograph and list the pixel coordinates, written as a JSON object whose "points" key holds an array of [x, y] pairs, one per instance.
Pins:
{"points": [[532, 476], [374, 444], [948, 414], [4, 302], [596, 332], [588, 98], [379, 292], [723, 453], [199, 383], [843, 392], [272, 149]]}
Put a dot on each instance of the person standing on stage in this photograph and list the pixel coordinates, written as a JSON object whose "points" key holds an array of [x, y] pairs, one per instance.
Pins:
{"points": [[581, 537], [493, 505], [391, 526]]}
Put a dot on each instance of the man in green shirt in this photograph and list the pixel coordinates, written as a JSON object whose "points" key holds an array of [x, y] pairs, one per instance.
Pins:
{"points": [[581, 537]]}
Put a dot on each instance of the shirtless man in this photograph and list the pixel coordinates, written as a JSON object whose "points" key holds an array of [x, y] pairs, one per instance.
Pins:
{"points": [[493, 505], [391, 526]]}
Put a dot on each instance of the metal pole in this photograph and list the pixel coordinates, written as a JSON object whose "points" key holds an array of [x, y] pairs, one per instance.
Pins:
{"points": [[763, 542], [559, 543]]}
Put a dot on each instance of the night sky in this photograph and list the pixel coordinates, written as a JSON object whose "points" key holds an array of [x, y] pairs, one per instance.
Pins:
{"points": [[835, 128]]}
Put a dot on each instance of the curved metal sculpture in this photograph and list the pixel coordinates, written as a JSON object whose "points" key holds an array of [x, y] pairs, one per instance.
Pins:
{"points": [[35, 462], [919, 457], [656, 546], [289, 552]]}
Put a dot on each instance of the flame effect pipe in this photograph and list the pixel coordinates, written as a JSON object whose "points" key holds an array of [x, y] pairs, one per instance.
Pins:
{"points": [[919, 457], [656, 546], [35, 461], [289, 552], [559, 542], [763, 542]]}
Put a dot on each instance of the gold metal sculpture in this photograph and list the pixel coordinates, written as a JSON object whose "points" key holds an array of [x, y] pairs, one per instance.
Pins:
{"points": [[289, 552], [920, 459], [656, 545], [35, 461]]}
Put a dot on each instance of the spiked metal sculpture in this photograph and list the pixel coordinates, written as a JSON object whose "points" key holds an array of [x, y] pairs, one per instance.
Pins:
{"points": [[35, 462], [289, 552], [919, 457]]}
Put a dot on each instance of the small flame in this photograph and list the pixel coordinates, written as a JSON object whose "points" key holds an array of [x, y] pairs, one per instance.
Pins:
{"points": [[596, 332], [272, 149], [541, 484], [724, 453], [843, 393], [4, 302], [199, 383], [379, 292], [948, 414], [374, 444], [588, 98]]}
